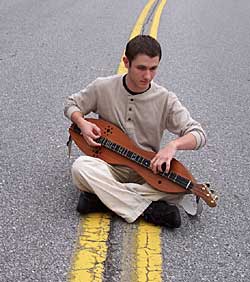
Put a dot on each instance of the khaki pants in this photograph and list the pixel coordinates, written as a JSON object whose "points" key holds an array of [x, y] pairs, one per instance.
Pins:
{"points": [[121, 189]]}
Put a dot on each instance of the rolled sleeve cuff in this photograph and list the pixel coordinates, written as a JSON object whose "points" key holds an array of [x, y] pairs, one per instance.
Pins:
{"points": [[200, 139], [71, 110]]}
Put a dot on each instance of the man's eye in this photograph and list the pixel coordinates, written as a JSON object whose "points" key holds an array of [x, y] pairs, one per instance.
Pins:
{"points": [[153, 68], [141, 67]]}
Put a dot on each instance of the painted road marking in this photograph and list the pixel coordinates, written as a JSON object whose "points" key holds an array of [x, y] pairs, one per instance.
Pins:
{"points": [[91, 250], [155, 24], [148, 251], [149, 258], [137, 30]]}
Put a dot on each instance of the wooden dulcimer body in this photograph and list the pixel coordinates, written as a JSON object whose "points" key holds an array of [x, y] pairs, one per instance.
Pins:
{"points": [[118, 149]]}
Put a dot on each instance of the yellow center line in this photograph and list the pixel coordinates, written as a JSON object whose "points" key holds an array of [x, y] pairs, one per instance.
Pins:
{"points": [[137, 30], [156, 20], [149, 257], [91, 250]]}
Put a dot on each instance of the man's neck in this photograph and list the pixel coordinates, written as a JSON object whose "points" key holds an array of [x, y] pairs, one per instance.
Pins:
{"points": [[131, 91]]}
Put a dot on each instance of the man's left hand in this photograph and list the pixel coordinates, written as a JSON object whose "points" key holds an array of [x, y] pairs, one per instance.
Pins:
{"points": [[165, 155]]}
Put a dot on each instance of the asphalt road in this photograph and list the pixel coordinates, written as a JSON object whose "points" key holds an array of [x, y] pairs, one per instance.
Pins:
{"points": [[50, 49]]}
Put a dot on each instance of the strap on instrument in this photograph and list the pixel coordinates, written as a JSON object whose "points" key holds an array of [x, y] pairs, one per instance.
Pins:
{"points": [[69, 145]]}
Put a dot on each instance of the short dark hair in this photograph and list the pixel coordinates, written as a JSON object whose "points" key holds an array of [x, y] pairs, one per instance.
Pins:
{"points": [[142, 44]]}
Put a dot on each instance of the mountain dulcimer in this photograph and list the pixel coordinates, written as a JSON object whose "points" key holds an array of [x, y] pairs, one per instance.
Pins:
{"points": [[118, 149]]}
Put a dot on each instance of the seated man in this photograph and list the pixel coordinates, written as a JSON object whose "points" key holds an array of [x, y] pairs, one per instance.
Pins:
{"points": [[143, 110]]}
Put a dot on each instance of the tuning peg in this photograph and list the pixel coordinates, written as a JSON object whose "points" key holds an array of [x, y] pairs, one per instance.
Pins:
{"points": [[207, 184], [216, 197]]}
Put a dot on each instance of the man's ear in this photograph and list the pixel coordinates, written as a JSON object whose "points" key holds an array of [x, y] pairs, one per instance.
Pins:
{"points": [[126, 62]]}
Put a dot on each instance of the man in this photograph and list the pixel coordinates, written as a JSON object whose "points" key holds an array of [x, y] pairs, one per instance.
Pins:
{"points": [[143, 110]]}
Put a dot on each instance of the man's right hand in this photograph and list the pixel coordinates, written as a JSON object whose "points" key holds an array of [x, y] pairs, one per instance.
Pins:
{"points": [[89, 130]]}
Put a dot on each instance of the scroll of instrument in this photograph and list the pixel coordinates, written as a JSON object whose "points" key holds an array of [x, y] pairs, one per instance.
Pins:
{"points": [[118, 149]]}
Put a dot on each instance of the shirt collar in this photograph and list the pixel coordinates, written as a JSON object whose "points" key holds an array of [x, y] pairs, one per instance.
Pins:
{"points": [[130, 91]]}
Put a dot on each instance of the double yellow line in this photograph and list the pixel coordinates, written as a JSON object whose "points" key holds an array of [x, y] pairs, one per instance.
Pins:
{"points": [[141, 21], [91, 248]]}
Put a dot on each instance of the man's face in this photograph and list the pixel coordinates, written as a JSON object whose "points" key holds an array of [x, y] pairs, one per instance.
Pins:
{"points": [[141, 71]]}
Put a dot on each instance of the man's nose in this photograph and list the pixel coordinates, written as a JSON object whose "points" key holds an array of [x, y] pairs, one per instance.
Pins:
{"points": [[147, 74]]}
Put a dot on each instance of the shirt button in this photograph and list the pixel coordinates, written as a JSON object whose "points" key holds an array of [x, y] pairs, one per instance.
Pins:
{"points": [[132, 100], [130, 109], [129, 119]]}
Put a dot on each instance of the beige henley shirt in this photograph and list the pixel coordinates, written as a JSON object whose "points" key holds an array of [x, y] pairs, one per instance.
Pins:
{"points": [[143, 117]]}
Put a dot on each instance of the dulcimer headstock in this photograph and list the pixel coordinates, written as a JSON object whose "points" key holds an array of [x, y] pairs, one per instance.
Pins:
{"points": [[203, 191]]}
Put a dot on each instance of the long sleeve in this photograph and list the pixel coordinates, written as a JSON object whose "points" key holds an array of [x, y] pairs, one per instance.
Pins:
{"points": [[84, 101], [180, 122]]}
